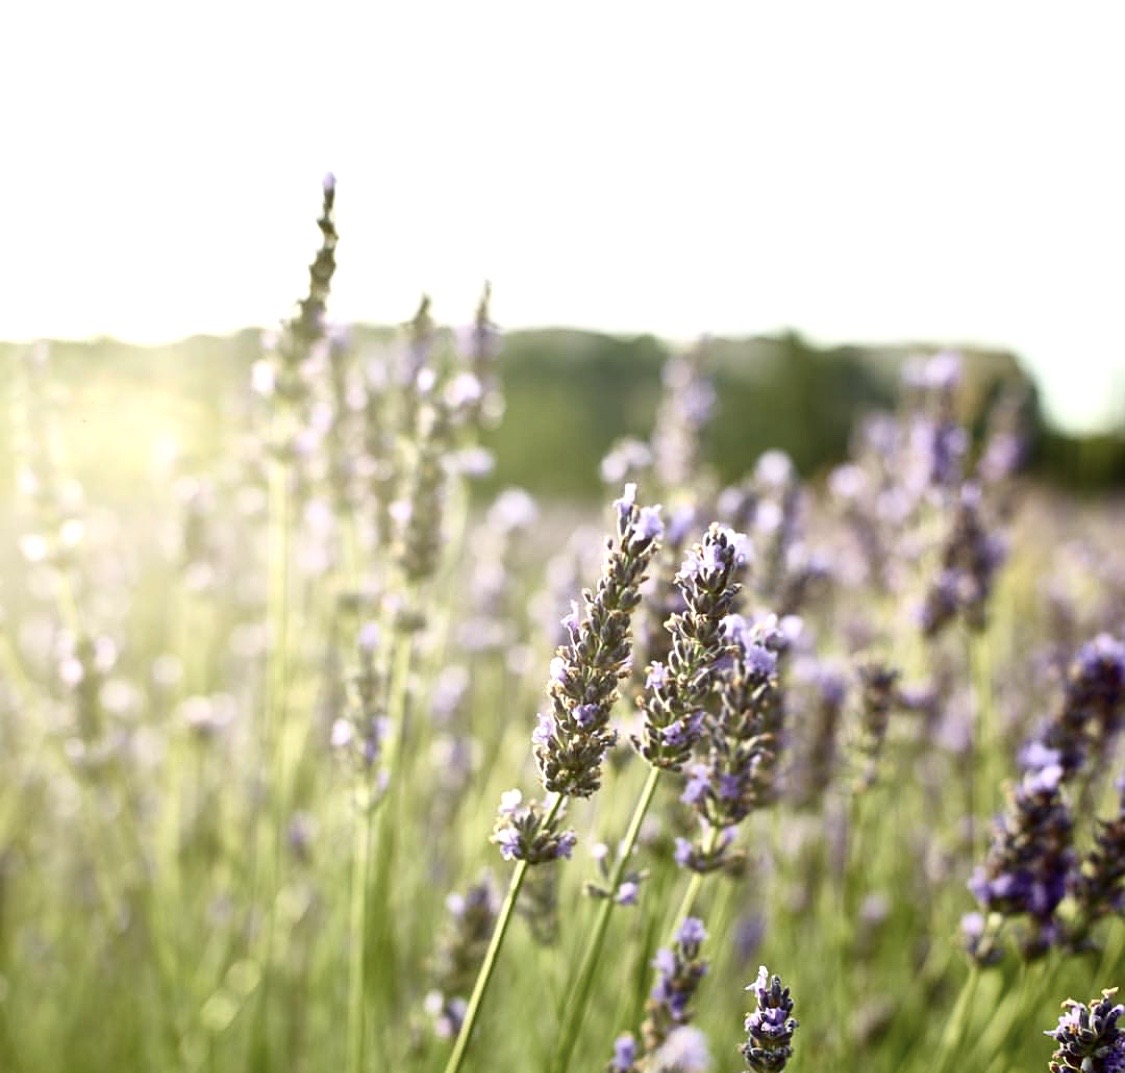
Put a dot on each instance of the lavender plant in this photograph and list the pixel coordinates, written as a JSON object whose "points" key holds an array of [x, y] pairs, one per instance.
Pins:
{"points": [[770, 1026], [1088, 1037], [571, 740]]}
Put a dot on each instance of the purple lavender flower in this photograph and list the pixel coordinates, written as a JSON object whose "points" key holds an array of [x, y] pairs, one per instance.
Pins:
{"points": [[522, 834], [571, 741], [1088, 1038], [1026, 868], [675, 693], [769, 1027], [816, 765], [879, 681], [361, 732], [679, 971], [743, 741], [684, 411], [1093, 706], [624, 1054]]}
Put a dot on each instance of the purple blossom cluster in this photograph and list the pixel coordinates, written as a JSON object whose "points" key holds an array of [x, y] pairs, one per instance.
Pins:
{"points": [[679, 971], [685, 408], [1097, 884], [1088, 1038], [878, 695], [737, 773], [1026, 867], [522, 832], [360, 733], [770, 1026], [571, 739], [676, 692]]}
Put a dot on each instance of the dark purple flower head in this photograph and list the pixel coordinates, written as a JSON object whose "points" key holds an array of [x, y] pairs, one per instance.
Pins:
{"points": [[691, 935], [769, 1027], [1088, 1038], [1025, 871]]}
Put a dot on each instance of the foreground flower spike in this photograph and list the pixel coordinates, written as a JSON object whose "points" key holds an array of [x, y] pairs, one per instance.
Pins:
{"points": [[675, 693], [571, 740], [1088, 1037], [1025, 871], [770, 1027]]}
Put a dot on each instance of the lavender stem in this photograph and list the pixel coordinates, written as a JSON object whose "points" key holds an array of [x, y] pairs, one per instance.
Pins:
{"points": [[576, 1009], [488, 966]]}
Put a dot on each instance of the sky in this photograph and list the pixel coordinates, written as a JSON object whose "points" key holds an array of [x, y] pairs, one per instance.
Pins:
{"points": [[873, 172]]}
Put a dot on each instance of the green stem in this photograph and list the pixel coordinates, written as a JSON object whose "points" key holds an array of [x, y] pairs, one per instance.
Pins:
{"points": [[580, 995], [357, 949], [488, 966], [378, 929], [695, 884], [986, 730], [958, 1022], [267, 869]]}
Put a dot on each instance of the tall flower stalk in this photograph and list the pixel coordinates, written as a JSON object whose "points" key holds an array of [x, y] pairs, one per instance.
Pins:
{"points": [[284, 377], [571, 739], [673, 703]]}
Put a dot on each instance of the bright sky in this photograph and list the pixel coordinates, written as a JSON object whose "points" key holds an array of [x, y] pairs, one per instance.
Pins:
{"points": [[951, 171]]}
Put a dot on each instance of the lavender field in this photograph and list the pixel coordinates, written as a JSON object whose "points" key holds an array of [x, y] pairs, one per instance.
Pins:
{"points": [[316, 760]]}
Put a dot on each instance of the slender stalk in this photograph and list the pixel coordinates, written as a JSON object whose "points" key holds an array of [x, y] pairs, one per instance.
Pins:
{"points": [[488, 966], [395, 761], [986, 730], [695, 884], [267, 868], [357, 948], [580, 994], [958, 1022]]}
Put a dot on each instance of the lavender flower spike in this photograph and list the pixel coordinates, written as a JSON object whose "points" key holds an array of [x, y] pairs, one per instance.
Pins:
{"points": [[1030, 857], [770, 1027], [675, 693], [1088, 1037], [679, 971], [572, 738]]}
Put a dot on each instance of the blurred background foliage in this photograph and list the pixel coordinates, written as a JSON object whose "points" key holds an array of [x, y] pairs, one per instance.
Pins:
{"points": [[570, 394]]}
